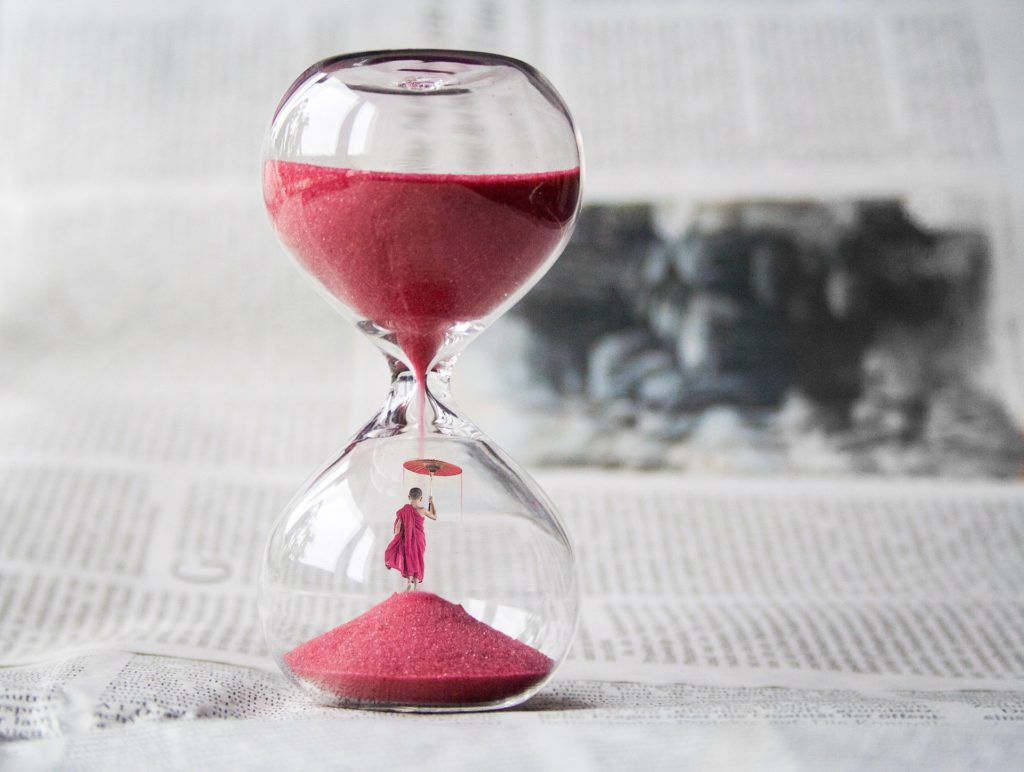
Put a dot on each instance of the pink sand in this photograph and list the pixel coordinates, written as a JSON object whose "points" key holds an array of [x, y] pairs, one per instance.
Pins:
{"points": [[417, 253], [416, 648]]}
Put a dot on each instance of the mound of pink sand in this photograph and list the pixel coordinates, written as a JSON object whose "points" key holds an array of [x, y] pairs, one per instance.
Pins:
{"points": [[416, 648]]}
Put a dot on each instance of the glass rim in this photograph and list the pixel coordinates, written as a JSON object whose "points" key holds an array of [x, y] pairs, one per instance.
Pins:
{"points": [[354, 59]]}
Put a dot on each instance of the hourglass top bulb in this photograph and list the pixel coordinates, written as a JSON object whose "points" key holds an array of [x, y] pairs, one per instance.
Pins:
{"points": [[422, 210]]}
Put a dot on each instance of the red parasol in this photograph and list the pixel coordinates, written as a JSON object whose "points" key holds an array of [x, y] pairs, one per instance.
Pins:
{"points": [[432, 467], [436, 468]]}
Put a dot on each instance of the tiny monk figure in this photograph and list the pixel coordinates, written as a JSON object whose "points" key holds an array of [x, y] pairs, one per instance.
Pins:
{"points": [[405, 552]]}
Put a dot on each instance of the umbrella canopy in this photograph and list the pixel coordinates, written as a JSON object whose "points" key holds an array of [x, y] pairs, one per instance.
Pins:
{"points": [[432, 467]]}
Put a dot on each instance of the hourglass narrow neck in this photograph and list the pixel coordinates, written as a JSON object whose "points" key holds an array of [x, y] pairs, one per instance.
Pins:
{"points": [[406, 409]]}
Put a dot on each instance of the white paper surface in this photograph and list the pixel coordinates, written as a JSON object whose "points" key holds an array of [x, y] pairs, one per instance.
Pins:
{"points": [[785, 583], [180, 713], [167, 381]]}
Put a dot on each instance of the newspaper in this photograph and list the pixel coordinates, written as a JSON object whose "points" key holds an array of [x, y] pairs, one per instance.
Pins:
{"points": [[853, 582], [161, 398], [261, 723], [823, 585]]}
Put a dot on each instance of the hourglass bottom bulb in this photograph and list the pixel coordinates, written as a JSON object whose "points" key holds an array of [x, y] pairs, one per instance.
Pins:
{"points": [[416, 648], [504, 599]]}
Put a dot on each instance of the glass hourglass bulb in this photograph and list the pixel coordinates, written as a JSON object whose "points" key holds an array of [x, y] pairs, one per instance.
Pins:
{"points": [[424, 192]]}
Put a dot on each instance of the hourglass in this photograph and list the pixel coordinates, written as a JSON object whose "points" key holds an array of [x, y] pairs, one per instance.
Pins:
{"points": [[424, 192]]}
